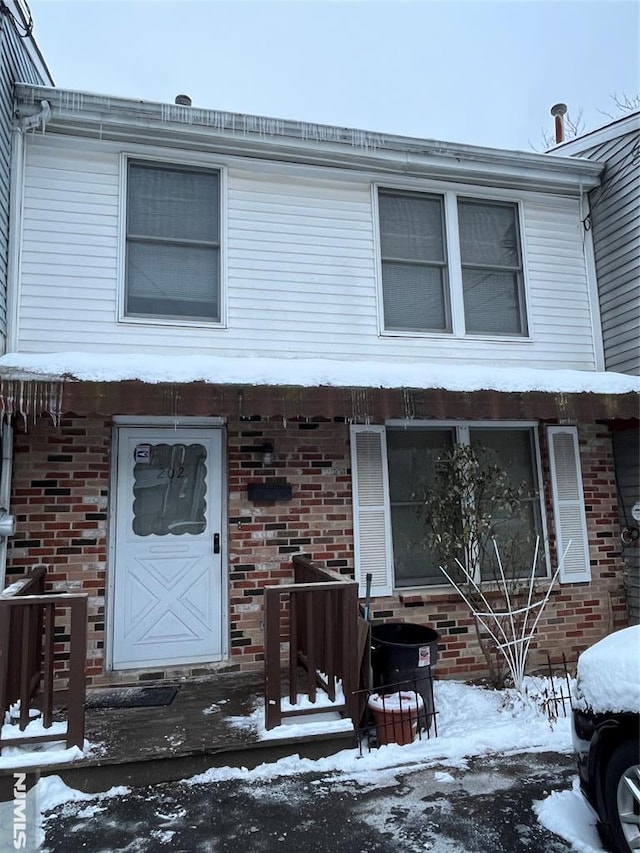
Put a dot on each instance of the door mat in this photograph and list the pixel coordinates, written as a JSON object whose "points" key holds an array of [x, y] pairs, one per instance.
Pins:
{"points": [[131, 697]]}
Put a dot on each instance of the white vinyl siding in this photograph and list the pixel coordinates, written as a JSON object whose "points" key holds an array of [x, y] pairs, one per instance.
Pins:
{"points": [[371, 519], [16, 64], [568, 505], [300, 268]]}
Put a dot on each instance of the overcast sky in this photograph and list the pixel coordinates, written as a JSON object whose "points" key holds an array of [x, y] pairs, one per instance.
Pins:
{"points": [[478, 72]]}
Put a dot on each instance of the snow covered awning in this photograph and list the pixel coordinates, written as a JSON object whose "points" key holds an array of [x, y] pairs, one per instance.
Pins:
{"points": [[86, 383], [308, 373]]}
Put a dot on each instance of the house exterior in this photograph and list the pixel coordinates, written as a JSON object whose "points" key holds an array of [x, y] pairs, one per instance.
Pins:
{"points": [[233, 339], [613, 220]]}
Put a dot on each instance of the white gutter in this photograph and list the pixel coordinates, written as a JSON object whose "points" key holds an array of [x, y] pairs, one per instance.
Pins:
{"points": [[120, 119]]}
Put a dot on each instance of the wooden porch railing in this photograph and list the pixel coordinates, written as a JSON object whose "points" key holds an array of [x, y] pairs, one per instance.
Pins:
{"points": [[27, 638], [322, 639]]}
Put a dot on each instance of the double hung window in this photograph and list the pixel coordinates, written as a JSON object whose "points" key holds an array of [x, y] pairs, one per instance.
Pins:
{"points": [[172, 243], [442, 251]]}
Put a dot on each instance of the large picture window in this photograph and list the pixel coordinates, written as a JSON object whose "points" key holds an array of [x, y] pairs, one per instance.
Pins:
{"points": [[173, 243], [413, 454], [439, 250], [407, 515]]}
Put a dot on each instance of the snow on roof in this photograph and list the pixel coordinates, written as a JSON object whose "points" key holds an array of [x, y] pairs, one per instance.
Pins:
{"points": [[609, 673], [307, 373]]}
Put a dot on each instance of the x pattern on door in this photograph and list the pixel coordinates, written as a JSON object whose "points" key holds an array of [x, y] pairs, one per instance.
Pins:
{"points": [[181, 596]]}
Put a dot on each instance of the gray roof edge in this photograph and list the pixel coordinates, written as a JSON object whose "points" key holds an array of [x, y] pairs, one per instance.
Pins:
{"points": [[85, 105], [618, 127]]}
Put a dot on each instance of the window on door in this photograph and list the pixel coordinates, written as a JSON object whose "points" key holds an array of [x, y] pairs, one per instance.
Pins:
{"points": [[169, 490]]}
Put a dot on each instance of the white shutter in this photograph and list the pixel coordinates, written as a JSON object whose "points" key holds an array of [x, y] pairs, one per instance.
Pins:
{"points": [[371, 520], [568, 504]]}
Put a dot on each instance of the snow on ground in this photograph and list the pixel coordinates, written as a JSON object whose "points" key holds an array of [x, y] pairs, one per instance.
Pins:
{"points": [[108, 367], [609, 673], [49, 793], [471, 721], [37, 754], [569, 815], [299, 724]]}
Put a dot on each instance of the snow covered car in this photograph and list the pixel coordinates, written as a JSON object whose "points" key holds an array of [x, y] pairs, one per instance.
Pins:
{"points": [[606, 735]]}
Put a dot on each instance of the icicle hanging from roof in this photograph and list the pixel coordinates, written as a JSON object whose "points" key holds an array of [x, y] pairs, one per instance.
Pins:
{"points": [[30, 399]]}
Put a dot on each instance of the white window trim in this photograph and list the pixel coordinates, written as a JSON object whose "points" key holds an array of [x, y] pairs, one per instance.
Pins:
{"points": [[450, 197], [181, 422], [462, 437], [121, 316]]}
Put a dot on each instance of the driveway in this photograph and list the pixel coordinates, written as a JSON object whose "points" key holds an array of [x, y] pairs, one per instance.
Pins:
{"points": [[483, 807]]}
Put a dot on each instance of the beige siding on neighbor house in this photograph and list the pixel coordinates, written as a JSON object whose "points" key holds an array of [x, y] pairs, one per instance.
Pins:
{"points": [[301, 269]]}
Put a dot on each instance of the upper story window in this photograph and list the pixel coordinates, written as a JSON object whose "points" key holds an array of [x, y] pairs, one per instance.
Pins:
{"points": [[451, 264], [173, 243], [414, 262], [491, 263]]}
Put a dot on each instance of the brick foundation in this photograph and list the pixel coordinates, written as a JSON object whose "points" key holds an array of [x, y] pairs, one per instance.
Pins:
{"points": [[61, 492]]}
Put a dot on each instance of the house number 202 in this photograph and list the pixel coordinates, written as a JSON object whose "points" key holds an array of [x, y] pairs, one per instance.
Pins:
{"points": [[171, 473]]}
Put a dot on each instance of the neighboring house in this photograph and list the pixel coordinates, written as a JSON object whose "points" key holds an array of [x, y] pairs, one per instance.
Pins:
{"points": [[235, 338], [613, 224]]}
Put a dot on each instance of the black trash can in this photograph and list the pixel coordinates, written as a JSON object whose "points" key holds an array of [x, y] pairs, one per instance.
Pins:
{"points": [[405, 655]]}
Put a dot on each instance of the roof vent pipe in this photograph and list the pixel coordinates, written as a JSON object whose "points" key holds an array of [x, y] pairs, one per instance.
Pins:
{"points": [[559, 111], [183, 100]]}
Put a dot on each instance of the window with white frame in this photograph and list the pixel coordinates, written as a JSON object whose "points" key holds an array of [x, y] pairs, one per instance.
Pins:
{"points": [[393, 466], [172, 243], [413, 455], [421, 283]]}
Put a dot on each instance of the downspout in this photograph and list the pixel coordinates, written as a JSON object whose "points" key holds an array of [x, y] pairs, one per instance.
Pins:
{"points": [[7, 521], [16, 193], [592, 280], [29, 122]]}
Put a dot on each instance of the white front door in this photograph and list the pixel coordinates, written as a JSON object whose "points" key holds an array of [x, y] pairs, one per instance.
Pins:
{"points": [[167, 591]]}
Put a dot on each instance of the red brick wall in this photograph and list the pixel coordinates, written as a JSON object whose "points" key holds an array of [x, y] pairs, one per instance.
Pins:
{"points": [[59, 496], [61, 483], [314, 458]]}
